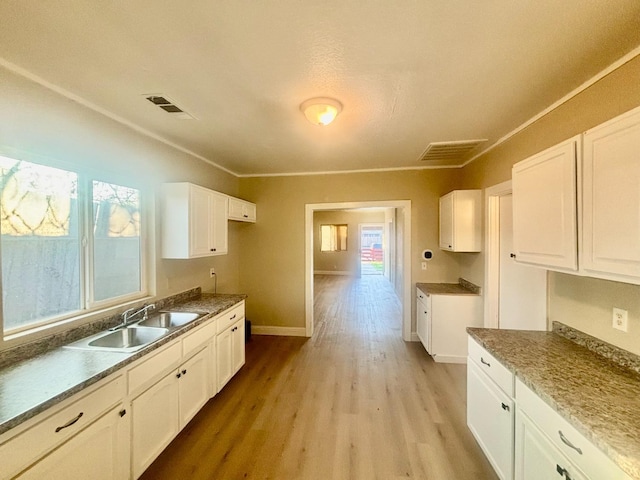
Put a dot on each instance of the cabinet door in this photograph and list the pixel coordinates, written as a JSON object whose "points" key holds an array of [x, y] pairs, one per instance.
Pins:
{"points": [[544, 208], [536, 457], [224, 357], [611, 199], [155, 419], [193, 386], [100, 451], [200, 221], [218, 225], [422, 323], [446, 222], [490, 417], [237, 348]]}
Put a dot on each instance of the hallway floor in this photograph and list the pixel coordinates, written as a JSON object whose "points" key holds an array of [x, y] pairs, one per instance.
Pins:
{"points": [[353, 402]]}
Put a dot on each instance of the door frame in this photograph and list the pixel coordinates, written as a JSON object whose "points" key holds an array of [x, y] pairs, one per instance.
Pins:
{"points": [[404, 252], [492, 258]]}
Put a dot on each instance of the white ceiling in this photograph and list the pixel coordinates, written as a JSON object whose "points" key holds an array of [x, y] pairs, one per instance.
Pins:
{"points": [[408, 72]]}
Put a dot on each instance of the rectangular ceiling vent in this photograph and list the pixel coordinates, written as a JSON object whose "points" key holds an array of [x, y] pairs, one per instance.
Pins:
{"points": [[169, 106], [450, 153]]}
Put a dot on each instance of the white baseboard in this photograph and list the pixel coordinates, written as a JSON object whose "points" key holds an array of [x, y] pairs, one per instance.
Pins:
{"points": [[414, 337], [332, 272], [279, 331], [449, 359]]}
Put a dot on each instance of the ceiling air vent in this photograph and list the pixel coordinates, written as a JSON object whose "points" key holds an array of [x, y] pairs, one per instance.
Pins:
{"points": [[168, 106], [450, 153]]}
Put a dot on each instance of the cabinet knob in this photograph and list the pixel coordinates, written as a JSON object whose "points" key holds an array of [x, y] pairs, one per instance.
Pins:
{"points": [[178, 375], [246, 216], [562, 472], [184, 372], [505, 407], [512, 255], [122, 412]]}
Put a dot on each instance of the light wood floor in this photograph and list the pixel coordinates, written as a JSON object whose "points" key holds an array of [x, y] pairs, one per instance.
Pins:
{"points": [[353, 402]]}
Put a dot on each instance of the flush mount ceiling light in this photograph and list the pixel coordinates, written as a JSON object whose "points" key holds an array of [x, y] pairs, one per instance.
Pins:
{"points": [[321, 110]]}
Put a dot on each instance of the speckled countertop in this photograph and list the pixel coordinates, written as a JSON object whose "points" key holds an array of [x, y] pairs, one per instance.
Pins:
{"points": [[30, 386], [463, 287], [597, 396]]}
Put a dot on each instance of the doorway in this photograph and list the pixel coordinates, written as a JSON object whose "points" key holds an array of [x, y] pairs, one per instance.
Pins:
{"points": [[398, 268], [516, 294], [372, 251]]}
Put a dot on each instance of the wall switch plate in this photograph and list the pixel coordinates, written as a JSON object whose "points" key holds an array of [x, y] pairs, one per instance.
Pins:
{"points": [[212, 272], [424, 265], [620, 319]]}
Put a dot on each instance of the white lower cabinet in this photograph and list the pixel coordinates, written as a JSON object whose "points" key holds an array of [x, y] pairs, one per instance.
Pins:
{"points": [[490, 409], [537, 457], [423, 327], [230, 352], [100, 452], [164, 409]]}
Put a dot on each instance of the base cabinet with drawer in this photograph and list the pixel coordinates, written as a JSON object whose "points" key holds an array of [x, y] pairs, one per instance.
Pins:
{"points": [[491, 408]]}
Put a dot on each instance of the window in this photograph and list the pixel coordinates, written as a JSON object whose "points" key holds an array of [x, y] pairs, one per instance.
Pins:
{"points": [[55, 262], [333, 238]]}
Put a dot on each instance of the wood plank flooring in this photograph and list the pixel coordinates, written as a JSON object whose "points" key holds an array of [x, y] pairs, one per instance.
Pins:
{"points": [[353, 402]]}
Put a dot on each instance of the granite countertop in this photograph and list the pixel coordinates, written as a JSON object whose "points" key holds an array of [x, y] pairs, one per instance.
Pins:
{"points": [[30, 386], [596, 395], [463, 287]]}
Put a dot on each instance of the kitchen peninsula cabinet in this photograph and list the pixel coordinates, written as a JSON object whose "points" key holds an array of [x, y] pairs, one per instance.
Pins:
{"points": [[194, 221]]}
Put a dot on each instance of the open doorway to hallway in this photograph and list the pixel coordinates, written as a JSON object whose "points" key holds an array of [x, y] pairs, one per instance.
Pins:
{"points": [[395, 218], [372, 248]]}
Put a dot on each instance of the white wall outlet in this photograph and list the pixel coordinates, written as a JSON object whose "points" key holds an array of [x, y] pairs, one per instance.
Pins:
{"points": [[212, 272], [424, 265], [620, 319]]}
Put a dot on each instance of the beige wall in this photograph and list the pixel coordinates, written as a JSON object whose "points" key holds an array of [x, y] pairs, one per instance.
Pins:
{"points": [[40, 125], [344, 261], [583, 303], [272, 261]]}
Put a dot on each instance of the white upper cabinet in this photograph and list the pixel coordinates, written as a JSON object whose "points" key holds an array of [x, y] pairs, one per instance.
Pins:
{"points": [[194, 221], [545, 208], [611, 199], [241, 210], [460, 221]]}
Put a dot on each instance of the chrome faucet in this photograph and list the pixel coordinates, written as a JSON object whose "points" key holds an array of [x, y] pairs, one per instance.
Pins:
{"points": [[130, 313]]}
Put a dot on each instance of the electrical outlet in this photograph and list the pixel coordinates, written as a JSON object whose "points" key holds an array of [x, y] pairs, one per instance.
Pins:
{"points": [[424, 265], [212, 272], [620, 319]]}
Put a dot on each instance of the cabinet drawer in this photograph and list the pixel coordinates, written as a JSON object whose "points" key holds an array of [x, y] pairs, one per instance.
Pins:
{"points": [[33, 443], [229, 317], [421, 296], [155, 366], [203, 334], [591, 460], [492, 367]]}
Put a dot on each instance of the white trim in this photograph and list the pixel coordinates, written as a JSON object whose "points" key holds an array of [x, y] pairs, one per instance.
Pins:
{"points": [[492, 252], [333, 272], [415, 337], [12, 67], [596, 78], [405, 300], [278, 331], [449, 359], [340, 172]]}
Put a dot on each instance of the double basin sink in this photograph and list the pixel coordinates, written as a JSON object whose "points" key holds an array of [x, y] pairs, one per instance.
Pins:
{"points": [[137, 335]]}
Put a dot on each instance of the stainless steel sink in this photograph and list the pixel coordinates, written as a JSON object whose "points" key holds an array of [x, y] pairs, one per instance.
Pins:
{"points": [[169, 319], [124, 340]]}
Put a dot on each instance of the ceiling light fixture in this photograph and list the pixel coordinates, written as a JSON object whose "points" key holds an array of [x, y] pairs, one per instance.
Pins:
{"points": [[321, 110]]}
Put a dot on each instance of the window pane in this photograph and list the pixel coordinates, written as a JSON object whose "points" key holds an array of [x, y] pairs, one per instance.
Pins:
{"points": [[40, 242], [116, 250]]}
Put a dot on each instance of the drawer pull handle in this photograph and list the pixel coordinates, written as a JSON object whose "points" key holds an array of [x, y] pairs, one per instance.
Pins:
{"points": [[234, 316], [70, 422], [568, 443], [483, 361], [505, 407], [562, 472]]}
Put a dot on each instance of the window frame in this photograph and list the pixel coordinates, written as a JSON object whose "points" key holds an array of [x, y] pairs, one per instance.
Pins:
{"points": [[89, 309], [334, 232]]}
